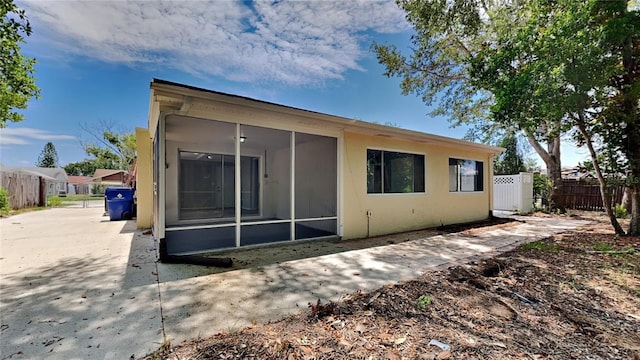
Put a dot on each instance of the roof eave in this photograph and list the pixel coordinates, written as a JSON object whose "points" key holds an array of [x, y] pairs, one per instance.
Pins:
{"points": [[172, 95]]}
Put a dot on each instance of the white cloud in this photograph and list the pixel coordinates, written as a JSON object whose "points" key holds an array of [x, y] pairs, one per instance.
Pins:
{"points": [[297, 42], [24, 136]]}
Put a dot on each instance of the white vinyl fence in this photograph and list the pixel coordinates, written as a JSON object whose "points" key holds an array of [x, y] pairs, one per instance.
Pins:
{"points": [[513, 192]]}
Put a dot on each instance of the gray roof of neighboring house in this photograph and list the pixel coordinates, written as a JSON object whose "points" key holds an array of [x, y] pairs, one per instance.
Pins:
{"points": [[57, 174]]}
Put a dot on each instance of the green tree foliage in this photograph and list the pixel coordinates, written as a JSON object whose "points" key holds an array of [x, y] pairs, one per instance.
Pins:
{"points": [[511, 161], [113, 151], [620, 118], [17, 84], [85, 167], [542, 67], [48, 157], [448, 36], [574, 64], [108, 149], [111, 148]]}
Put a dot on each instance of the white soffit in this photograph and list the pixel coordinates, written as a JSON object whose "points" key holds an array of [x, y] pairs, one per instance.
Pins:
{"points": [[172, 96]]}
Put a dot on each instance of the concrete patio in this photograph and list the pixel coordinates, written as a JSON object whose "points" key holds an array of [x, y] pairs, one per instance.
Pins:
{"points": [[75, 285]]}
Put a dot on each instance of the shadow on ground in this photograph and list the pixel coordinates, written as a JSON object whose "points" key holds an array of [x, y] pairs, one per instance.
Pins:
{"points": [[83, 307]]}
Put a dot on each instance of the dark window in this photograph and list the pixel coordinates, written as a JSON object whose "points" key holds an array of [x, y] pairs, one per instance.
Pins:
{"points": [[465, 175], [394, 172], [206, 185]]}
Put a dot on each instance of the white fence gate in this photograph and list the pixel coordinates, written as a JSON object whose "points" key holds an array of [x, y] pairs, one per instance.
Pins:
{"points": [[513, 192]]}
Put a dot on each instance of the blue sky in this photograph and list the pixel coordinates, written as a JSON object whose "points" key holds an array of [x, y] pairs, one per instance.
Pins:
{"points": [[96, 59]]}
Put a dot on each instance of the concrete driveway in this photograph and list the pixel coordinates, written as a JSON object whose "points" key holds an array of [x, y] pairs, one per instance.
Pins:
{"points": [[74, 285]]}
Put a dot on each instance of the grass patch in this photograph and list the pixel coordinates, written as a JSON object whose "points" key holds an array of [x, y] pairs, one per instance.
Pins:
{"points": [[540, 245], [603, 247], [614, 251], [57, 201], [54, 201], [76, 197]]}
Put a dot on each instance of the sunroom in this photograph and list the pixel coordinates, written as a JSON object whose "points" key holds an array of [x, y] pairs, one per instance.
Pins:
{"points": [[230, 181]]}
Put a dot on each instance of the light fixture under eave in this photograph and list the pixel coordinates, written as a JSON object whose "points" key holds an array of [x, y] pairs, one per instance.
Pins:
{"points": [[242, 139]]}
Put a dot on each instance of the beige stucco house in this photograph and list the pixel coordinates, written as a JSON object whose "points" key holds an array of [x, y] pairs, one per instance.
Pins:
{"points": [[217, 171]]}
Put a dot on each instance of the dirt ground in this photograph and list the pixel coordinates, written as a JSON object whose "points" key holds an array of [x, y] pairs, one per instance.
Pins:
{"points": [[572, 296]]}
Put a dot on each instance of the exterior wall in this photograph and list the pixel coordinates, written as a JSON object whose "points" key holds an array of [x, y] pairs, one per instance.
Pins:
{"points": [[392, 213], [144, 180], [114, 178], [190, 119]]}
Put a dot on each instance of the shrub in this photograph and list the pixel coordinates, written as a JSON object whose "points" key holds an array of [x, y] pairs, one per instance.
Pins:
{"points": [[98, 189], [423, 301], [541, 189], [54, 201], [620, 211], [4, 200]]}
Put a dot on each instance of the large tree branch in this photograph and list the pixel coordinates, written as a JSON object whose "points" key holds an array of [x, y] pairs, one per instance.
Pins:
{"points": [[535, 144], [98, 134]]}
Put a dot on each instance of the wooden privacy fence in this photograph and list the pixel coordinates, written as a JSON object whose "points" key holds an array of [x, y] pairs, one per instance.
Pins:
{"points": [[24, 190], [582, 195]]}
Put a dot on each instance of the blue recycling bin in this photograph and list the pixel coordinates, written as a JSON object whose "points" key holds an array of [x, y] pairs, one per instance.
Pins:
{"points": [[119, 202]]}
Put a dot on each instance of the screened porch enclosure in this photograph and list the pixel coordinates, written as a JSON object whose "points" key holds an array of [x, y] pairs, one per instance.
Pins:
{"points": [[230, 185]]}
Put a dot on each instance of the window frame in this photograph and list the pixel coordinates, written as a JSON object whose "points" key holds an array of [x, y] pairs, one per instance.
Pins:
{"points": [[478, 177], [383, 175]]}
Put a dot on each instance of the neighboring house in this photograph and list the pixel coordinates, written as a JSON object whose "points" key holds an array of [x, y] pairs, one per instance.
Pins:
{"points": [[109, 177], [577, 174], [218, 171], [102, 178], [55, 178], [79, 185]]}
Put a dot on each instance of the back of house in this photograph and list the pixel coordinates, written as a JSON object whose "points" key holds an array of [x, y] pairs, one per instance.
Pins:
{"points": [[218, 171]]}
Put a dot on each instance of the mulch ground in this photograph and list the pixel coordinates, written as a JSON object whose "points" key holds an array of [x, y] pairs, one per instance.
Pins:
{"points": [[572, 296]]}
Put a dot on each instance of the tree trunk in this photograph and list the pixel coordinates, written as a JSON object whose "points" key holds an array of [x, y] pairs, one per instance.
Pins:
{"points": [[556, 198], [634, 225], [551, 158], [631, 145], [604, 190], [632, 152], [626, 199], [631, 149]]}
